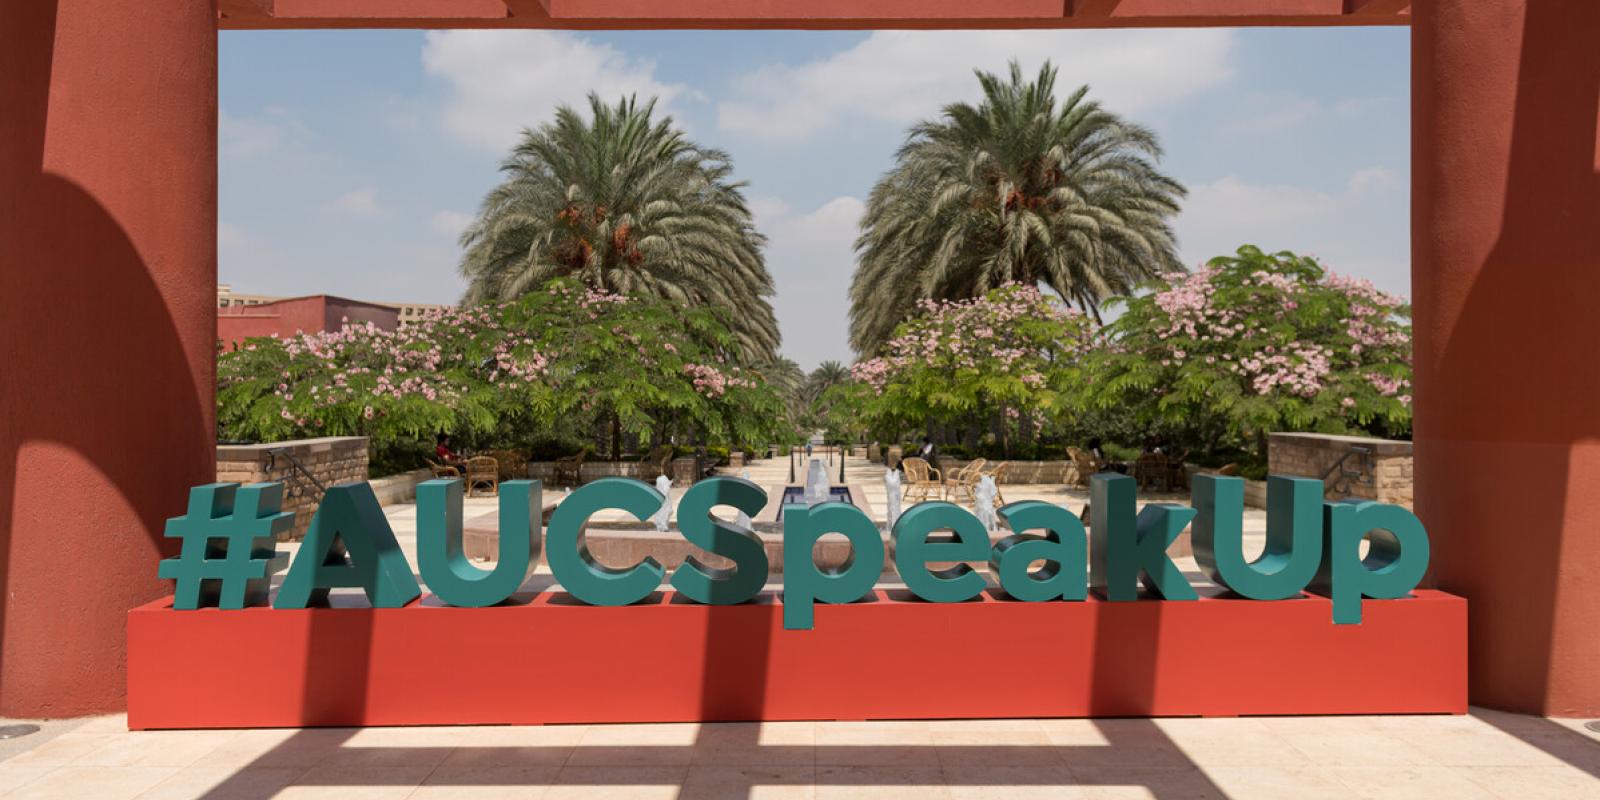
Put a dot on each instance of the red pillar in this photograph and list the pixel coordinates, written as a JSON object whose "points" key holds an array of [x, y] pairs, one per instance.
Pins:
{"points": [[107, 318], [1506, 279]]}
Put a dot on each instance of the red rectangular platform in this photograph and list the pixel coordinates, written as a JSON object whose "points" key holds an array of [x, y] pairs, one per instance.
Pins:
{"points": [[549, 659]]}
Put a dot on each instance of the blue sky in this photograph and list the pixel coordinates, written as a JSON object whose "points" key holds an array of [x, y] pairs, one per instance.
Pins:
{"points": [[350, 160]]}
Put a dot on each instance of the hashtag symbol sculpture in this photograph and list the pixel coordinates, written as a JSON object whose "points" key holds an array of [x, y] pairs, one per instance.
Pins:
{"points": [[229, 552]]}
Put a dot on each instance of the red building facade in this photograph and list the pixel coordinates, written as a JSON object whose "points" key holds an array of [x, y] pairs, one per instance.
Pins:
{"points": [[318, 312], [108, 179]]}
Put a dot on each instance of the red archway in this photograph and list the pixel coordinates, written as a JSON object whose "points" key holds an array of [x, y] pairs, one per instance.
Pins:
{"points": [[108, 266]]}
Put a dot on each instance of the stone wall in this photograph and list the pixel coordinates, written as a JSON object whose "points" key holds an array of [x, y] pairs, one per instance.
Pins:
{"points": [[1374, 469], [401, 487], [331, 460]]}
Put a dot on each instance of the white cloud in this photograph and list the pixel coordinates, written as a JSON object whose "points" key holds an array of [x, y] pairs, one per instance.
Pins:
{"points": [[243, 137], [1356, 228], [449, 223], [230, 236], [811, 258], [1374, 179], [504, 81], [898, 77], [1230, 203], [1281, 112], [360, 202], [1274, 112]]}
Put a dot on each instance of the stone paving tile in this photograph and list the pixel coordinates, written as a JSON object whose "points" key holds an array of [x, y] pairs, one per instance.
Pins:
{"points": [[1486, 754], [100, 783], [488, 783]]}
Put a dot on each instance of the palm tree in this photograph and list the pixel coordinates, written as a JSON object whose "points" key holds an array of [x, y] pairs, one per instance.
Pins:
{"points": [[628, 204], [786, 377], [827, 375], [1017, 188]]}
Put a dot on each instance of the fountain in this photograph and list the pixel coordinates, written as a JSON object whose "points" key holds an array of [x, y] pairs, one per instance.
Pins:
{"points": [[662, 517], [892, 489], [816, 483]]}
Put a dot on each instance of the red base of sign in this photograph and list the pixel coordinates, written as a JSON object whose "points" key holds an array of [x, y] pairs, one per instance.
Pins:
{"points": [[553, 660]]}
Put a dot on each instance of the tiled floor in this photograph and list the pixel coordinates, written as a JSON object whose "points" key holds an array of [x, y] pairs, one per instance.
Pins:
{"points": [[1484, 755]]}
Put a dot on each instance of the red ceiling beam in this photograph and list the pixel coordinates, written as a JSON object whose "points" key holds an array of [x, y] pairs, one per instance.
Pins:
{"points": [[803, 13], [1377, 7]]}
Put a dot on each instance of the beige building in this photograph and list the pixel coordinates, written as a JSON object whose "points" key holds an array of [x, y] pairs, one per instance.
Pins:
{"points": [[408, 312]]}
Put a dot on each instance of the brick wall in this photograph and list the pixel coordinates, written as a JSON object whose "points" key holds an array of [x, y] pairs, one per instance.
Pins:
{"points": [[1381, 467], [331, 460]]}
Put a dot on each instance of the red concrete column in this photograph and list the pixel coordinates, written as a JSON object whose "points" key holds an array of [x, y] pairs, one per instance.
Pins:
{"points": [[1506, 279], [107, 318]]}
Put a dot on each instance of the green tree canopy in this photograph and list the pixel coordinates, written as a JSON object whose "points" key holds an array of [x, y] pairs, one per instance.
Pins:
{"points": [[561, 362], [1009, 358], [1255, 343], [1019, 188], [624, 203]]}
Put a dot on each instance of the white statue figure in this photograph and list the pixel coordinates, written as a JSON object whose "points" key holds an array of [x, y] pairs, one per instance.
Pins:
{"points": [[744, 519], [986, 492], [664, 486], [891, 487], [816, 482]]}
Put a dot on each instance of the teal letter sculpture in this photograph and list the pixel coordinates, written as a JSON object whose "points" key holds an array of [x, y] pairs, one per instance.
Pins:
{"points": [[1129, 548], [913, 551], [716, 585], [1395, 562], [1294, 534], [579, 573], [229, 552], [349, 544], [444, 566], [803, 582], [1063, 548]]}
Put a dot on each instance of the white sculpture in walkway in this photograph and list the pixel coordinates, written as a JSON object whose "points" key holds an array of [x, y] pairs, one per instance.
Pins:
{"points": [[662, 517], [985, 493], [891, 487]]}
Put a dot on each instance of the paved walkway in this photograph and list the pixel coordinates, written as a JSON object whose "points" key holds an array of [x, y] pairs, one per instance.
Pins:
{"points": [[1484, 755]]}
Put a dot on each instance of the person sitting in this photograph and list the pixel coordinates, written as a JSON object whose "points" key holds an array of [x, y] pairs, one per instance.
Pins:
{"points": [[446, 456]]}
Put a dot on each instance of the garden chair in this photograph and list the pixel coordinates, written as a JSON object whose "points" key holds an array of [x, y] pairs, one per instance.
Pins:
{"points": [[569, 470], [922, 480], [1151, 471], [513, 464], [1084, 464], [1177, 476], [964, 483], [483, 471], [442, 470], [998, 473]]}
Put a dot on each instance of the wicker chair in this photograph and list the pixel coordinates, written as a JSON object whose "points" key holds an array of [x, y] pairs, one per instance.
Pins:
{"points": [[1152, 470], [483, 471], [962, 487], [922, 480], [1084, 464], [513, 464], [442, 470], [569, 470]]}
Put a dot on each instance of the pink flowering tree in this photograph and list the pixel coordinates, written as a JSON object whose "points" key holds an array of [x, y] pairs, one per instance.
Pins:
{"points": [[1003, 361], [558, 364], [1255, 343], [456, 369]]}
